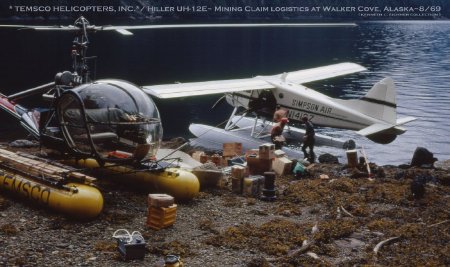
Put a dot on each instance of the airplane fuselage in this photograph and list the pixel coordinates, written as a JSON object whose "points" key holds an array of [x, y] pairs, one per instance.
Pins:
{"points": [[300, 101]]}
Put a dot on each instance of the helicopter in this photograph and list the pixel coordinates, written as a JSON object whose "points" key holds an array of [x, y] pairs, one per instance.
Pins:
{"points": [[108, 120]]}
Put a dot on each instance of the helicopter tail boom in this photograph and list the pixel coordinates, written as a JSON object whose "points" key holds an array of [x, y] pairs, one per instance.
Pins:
{"points": [[29, 119]]}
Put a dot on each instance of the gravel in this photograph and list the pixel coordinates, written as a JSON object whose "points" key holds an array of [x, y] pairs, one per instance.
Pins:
{"points": [[220, 228]]}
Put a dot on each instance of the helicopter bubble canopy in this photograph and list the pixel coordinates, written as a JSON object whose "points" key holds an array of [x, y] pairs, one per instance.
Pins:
{"points": [[110, 120]]}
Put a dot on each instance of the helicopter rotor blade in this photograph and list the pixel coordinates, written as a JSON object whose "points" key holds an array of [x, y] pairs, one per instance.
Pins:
{"points": [[226, 25], [124, 30], [42, 28]]}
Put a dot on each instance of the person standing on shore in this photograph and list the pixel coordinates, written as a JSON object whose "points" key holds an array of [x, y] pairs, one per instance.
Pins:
{"points": [[309, 140], [279, 114], [277, 133]]}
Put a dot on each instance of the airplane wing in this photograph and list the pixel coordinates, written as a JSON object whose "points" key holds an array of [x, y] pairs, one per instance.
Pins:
{"points": [[205, 88], [322, 73], [256, 83]]}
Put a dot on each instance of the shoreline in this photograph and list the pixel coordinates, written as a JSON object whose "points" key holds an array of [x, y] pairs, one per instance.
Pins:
{"points": [[220, 228]]}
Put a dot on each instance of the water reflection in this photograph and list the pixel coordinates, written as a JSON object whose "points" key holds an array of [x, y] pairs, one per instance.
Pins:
{"points": [[415, 54]]}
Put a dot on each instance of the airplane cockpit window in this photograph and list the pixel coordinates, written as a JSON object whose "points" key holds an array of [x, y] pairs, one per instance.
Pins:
{"points": [[114, 120]]}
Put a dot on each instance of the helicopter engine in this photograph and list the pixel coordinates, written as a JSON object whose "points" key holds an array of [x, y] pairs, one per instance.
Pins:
{"points": [[110, 120]]}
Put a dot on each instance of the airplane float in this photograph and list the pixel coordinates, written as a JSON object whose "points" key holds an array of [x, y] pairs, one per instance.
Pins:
{"points": [[108, 126]]}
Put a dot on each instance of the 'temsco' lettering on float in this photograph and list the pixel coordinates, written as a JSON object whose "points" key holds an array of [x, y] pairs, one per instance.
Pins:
{"points": [[25, 188]]}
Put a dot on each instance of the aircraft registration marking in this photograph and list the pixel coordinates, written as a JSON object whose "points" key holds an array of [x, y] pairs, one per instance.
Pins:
{"points": [[298, 115]]}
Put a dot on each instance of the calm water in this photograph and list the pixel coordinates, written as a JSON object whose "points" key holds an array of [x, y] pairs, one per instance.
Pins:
{"points": [[415, 54]]}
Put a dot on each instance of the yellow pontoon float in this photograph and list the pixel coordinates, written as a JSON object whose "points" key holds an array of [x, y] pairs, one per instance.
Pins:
{"points": [[50, 184]]}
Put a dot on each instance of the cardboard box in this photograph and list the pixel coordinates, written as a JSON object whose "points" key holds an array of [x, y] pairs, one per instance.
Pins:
{"points": [[251, 152], [266, 151], [232, 149], [216, 159], [160, 200], [204, 158], [236, 185], [207, 178], [282, 166], [238, 171], [279, 153], [257, 166], [252, 186], [197, 154], [225, 161]]}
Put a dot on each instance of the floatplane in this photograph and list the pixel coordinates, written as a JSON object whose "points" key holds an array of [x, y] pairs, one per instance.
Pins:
{"points": [[373, 115], [108, 126]]}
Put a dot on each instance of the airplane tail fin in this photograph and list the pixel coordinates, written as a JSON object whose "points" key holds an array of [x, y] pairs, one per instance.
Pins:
{"points": [[380, 103]]}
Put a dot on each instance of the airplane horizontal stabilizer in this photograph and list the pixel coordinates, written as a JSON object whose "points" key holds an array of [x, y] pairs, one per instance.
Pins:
{"points": [[383, 128], [374, 128], [404, 120]]}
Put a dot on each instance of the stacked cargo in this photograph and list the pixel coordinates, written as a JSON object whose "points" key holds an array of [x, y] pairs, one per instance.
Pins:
{"points": [[161, 211], [281, 164], [237, 178], [260, 160], [230, 151]]}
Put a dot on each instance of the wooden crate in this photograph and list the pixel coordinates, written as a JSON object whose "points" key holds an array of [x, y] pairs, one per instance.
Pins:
{"points": [[160, 200], [251, 152], [216, 159], [258, 166], [267, 151], [197, 155], [160, 217], [232, 149], [237, 171]]}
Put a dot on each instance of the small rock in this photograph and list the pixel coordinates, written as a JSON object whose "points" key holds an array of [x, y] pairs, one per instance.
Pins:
{"points": [[350, 243], [377, 233], [356, 242], [286, 213], [422, 157], [442, 165], [418, 186], [328, 158], [62, 245]]}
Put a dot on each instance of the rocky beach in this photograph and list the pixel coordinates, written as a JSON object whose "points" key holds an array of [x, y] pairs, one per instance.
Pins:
{"points": [[342, 219]]}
